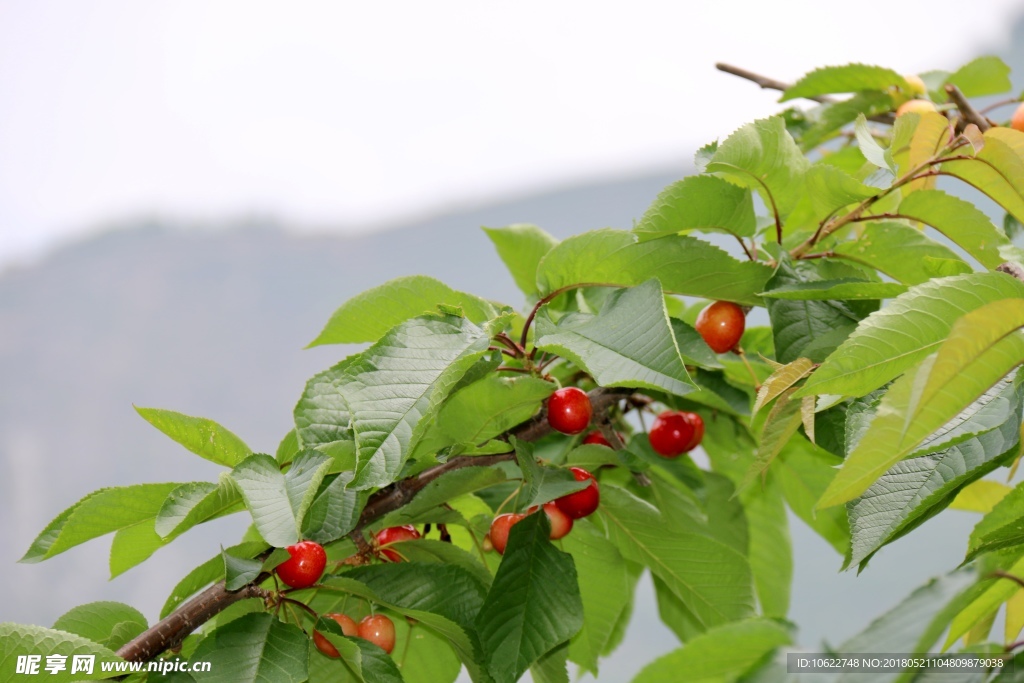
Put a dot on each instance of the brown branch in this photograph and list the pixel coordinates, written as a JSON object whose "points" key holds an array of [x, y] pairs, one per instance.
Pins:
{"points": [[967, 112], [1011, 268], [170, 631]]}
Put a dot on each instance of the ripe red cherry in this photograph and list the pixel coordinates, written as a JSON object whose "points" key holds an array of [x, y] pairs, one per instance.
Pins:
{"points": [[569, 410], [561, 523], [721, 325], [348, 627], [581, 503], [394, 534], [305, 566], [675, 432], [500, 527], [379, 630], [598, 439]]}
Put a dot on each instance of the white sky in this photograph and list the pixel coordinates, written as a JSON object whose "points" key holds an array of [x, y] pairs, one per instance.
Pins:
{"points": [[362, 113]]}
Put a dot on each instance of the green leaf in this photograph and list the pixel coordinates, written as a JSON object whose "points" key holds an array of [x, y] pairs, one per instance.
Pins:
{"points": [[914, 490], [427, 550], [763, 156], [533, 605], [833, 116], [960, 221], [322, 416], [521, 247], [828, 189], [111, 624], [448, 486], [779, 427], [783, 378], [491, 406], [723, 653], [18, 640], [711, 579], [552, 666], [605, 588], [771, 551], [363, 661], [196, 502], [254, 647], [980, 496], [699, 202], [799, 326], [335, 510], [692, 346], [843, 289], [278, 502], [99, 513], [425, 656], [892, 340], [368, 316], [1003, 527], [804, 471], [997, 170], [901, 252], [870, 148], [395, 388], [844, 79], [982, 76], [203, 437], [683, 265], [238, 571], [628, 344]]}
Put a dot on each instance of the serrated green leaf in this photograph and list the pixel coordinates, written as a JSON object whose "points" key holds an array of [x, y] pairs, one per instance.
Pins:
{"points": [[278, 502], [901, 252], [426, 550], [914, 490], [491, 406], [20, 640], [99, 513], [692, 346], [605, 588], [997, 170], [1003, 527], [368, 316], [254, 648], [869, 147], [844, 79], [781, 424], [683, 265], [711, 579], [203, 437], [335, 510], [552, 667], [111, 624], [780, 380], [841, 290], [533, 605], [982, 76], [763, 156], [722, 653], [980, 496], [699, 202], [238, 571], [960, 221], [990, 593], [890, 341], [196, 502], [829, 118], [521, 247], [628, 344]]}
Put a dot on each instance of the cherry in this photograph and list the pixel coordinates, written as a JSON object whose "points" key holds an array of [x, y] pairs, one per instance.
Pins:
{"points": [[569, 410], [916, 107], [305, 565], [916, 83], [581, 503], [598, 439], [561, 523], [394, 534], [675, 432], [721, 325], [379, 630], [348, 627], [500, 527], [1017, 122]]}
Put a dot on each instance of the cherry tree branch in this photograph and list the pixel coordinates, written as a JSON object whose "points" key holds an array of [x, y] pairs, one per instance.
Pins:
{"points": [[193, 613], [967, 112]]}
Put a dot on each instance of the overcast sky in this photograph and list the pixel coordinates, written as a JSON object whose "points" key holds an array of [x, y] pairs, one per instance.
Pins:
{"points": [[360, 113]]}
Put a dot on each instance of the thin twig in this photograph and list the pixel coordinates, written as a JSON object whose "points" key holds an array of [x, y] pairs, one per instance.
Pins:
{"points": [[765, 82], [967, 112]]}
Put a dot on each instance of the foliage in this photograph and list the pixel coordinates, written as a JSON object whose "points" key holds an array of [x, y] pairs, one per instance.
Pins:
{"points": [[882, 391]]}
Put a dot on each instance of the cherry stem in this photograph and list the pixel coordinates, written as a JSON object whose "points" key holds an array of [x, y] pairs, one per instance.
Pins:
{"points": [[506, 368], [750, 368], [309, 610]]}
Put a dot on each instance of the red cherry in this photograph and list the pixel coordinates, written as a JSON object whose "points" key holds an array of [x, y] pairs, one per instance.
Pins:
{"points": [[500, 527], [394, 534], [569, 410], [348, 627], [598, 439], [305, 566], [561, 523], [581, 503], [675, 432], [721, 325], [1017, 122], [379, 630]]}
